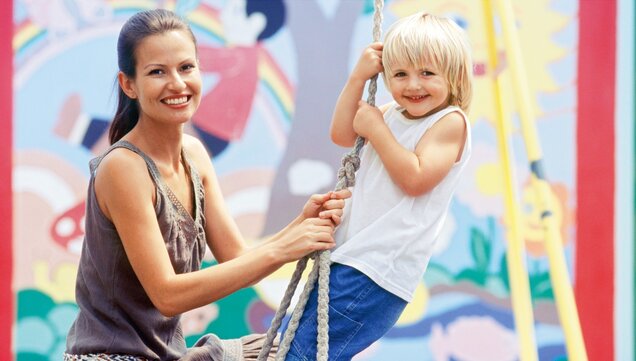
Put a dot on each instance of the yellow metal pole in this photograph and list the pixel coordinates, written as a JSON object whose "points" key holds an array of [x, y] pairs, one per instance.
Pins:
{"points": [[564, 295], [515, 253]]}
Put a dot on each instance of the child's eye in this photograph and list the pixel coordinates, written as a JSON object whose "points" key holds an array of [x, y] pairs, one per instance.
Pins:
{"points": [[399, 74], [427, 73]]}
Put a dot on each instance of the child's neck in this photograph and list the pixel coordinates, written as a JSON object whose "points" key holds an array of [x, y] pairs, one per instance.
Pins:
{"points": [[407, 115]]}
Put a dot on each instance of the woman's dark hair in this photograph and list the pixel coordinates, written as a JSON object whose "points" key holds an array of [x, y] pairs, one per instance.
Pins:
{"points": [[136, 29]]}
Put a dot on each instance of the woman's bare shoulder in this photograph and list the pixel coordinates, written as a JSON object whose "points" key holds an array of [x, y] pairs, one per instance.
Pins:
{"points": [[123, 168], [198, 154]]}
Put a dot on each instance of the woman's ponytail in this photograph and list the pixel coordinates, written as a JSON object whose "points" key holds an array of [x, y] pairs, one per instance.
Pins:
{"points": [[125, 118]]}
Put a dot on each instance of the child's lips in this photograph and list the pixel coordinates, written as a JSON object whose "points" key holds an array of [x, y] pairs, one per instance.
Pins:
{"points": [[416, 98]]}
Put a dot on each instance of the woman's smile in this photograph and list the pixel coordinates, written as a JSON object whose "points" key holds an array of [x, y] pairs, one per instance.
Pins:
{"points": [[176, 101]]}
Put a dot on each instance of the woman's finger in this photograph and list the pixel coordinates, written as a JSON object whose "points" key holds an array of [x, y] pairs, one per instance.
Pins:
{"points": [[334, 204]]}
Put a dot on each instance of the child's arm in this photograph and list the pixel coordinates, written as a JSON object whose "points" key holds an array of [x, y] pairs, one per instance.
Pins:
{"points": [[415, 172], [369, 64]]}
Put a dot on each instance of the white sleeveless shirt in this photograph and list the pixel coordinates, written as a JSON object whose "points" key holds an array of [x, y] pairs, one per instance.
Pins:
{"points": [[386, 234]]}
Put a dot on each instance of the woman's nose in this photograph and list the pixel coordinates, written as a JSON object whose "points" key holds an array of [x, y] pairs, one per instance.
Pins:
{"points": [[177, 82]]}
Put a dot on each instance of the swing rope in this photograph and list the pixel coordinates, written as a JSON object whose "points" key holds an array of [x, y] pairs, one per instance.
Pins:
{"points": [[322, 262]]}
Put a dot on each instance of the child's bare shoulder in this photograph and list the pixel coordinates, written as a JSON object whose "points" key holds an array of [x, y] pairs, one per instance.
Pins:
{"points": [[453, 119]]}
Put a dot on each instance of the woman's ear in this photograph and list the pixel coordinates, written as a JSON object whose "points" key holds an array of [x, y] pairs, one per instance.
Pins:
{"points": [[126, 85]]}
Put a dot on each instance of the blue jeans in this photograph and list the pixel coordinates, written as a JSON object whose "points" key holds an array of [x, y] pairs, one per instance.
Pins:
{"points": [[360, 312]]}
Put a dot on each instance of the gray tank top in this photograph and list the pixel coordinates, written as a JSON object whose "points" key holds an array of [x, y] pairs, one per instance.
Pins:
{"points": [[116, 316]]}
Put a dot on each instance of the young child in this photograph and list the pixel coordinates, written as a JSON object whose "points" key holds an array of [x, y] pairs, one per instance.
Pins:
{"points": [[416, 148]]}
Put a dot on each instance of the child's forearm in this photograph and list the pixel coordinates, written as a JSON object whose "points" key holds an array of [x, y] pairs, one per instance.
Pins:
{"points": [[342, 132]]}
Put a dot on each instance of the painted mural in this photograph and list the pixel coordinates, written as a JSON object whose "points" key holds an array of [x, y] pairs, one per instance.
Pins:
{"points": [[269, 90]]}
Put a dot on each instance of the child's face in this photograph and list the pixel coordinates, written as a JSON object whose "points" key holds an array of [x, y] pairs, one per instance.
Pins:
{"points": [[420, 91]]}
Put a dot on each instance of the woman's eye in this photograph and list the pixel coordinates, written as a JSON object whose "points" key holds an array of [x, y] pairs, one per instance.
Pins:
{"points": [[155, 72], [187, 67]]}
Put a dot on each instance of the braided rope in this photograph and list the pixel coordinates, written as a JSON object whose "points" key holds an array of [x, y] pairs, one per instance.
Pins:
{"points": [[322, 262], [101, 357]]}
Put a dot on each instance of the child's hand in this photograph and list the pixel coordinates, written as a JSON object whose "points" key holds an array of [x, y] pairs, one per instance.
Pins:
{"points": [[368, 118], [326, 206], [370, 62]]}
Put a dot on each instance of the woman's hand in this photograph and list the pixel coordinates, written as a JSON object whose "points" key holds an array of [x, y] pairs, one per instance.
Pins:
{"points": [[326, 206], [308, 236]]}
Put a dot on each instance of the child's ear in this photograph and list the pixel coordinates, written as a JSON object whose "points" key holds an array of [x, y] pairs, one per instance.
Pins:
{"points": [[126, 85]]}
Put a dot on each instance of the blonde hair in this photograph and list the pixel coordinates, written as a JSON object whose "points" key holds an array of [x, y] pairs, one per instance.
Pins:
{"points": [[421, 39]]}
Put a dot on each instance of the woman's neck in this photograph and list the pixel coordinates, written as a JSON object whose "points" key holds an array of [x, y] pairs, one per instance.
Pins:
{"points": [[163, 145]]}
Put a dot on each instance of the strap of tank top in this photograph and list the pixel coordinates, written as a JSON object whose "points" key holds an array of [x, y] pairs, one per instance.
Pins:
{"points": [[434, 118], [152, 167], [198, 192], [194, 174]]}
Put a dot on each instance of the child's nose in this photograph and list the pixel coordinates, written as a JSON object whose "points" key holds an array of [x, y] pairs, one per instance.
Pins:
{"points": [[414, 83]]}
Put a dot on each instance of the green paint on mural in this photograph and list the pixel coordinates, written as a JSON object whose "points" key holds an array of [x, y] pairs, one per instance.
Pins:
{"points": [[29, 356], [33, 303], [369, 6], [42, 326], [480, 249], [481, 252], [232, 321], [503, 272], [540, 286], [437, 274]]}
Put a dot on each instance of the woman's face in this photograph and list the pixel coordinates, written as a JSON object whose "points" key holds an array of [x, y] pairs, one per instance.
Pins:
{"points": [[167, 84]]}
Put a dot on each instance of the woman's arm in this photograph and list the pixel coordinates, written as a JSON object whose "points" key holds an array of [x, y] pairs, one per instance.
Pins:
{"points": [[223, 236], [126, 194]]}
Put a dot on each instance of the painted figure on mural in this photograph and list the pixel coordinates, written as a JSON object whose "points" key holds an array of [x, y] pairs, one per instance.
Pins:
{"points": [[61, 18], [225, 109]]}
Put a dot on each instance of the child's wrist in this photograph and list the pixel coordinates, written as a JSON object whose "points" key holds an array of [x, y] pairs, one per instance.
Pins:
{"points": [[374, 132], [356, 80]]}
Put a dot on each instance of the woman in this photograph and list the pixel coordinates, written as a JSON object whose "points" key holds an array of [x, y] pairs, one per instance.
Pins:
{"points": [[153, 205]]}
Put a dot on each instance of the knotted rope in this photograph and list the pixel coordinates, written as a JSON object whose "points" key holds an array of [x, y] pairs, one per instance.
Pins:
{"points": [[321, 269]]}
